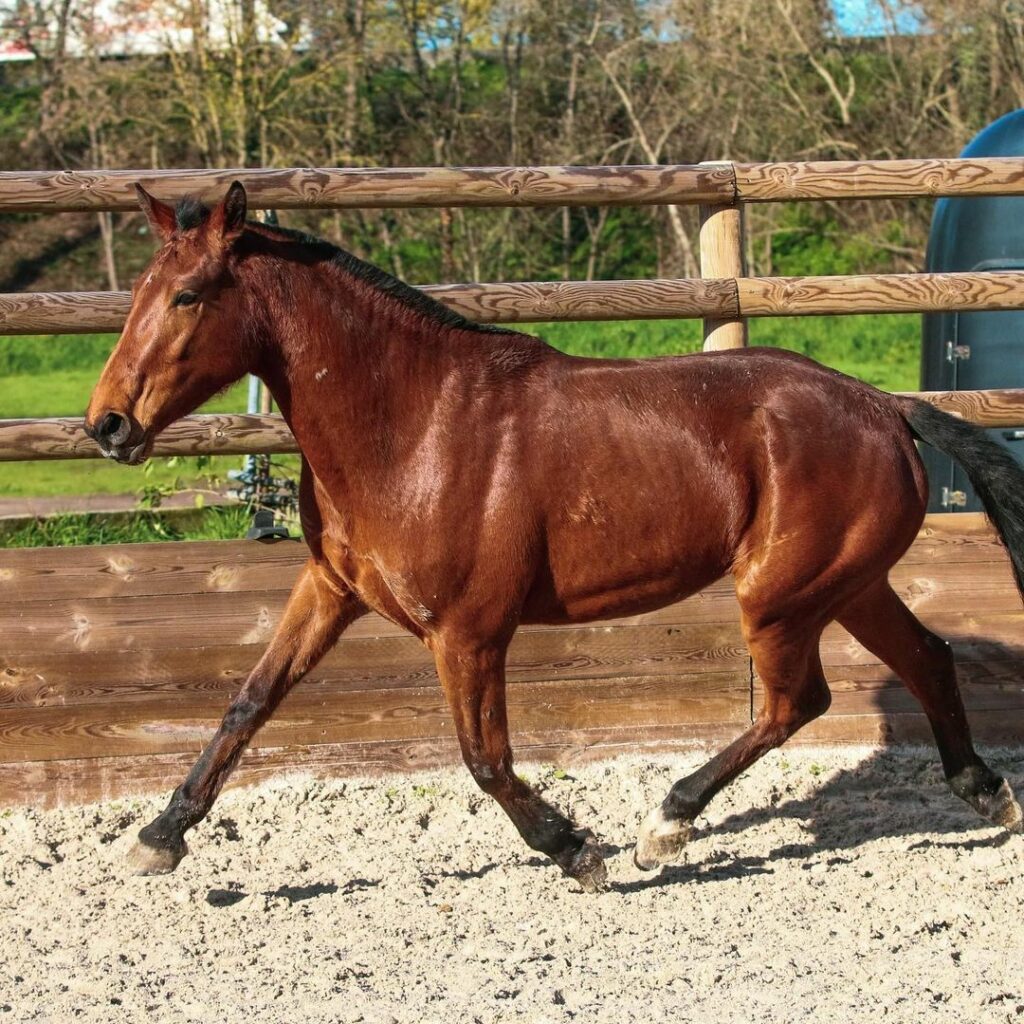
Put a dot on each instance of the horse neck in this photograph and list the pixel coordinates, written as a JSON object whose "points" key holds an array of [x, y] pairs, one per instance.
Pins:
{"points": [[353, 370]]}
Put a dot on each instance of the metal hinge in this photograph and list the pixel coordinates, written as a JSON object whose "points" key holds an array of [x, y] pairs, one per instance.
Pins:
{"points": [[953, 498], [954, 352]]}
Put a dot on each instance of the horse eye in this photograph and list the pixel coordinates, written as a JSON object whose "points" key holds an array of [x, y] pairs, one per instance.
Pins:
{"points": [[185, 299]]}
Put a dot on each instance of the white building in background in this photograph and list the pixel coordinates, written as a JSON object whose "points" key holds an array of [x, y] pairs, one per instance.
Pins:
{"points": [[128, 28]]}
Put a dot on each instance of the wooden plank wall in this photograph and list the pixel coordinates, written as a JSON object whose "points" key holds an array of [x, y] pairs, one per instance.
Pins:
{"points": [[117, 663]]}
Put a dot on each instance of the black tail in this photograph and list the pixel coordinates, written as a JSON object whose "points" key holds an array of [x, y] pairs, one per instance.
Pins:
{"points": [[996, 476]]}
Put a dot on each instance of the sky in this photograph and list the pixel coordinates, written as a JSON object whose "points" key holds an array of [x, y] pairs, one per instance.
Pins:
{"points": [[870, 17]]}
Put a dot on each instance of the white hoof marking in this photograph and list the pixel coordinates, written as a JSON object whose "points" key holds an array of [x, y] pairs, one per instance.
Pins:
{"points": [[660, 841]]}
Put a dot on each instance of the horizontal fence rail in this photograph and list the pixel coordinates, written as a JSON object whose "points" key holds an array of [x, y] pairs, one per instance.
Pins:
{"points": [[540, 301], [228, 434], [339, 188], [719, 182]]}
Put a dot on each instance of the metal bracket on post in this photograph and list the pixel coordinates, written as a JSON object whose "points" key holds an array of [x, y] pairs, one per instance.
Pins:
{"points": [[264, 528], [953, 499]]}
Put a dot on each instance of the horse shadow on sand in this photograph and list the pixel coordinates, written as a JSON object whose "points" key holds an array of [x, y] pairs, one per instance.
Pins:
{"points": [[895, 792]]}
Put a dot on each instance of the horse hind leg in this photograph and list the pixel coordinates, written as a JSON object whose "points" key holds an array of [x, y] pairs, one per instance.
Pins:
{"points": [[785, 654], [880, 621]]}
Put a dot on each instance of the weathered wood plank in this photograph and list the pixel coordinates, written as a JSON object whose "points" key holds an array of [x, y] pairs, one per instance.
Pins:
{"points": [[878, 179], [998, 407], [327, 188], [240, 434], [54, 783], [722, 256], [880, 293], [307, 717], [204, 434], [992, 637], [58, 782], [160, 622], [499, 303], [955, 537], [719, 296], [878, 729], [59, 678], [135, 570], [392, 188], [539, 301]]}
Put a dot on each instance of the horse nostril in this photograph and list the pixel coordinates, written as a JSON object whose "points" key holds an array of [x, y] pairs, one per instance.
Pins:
{"points": [[113, 428]]}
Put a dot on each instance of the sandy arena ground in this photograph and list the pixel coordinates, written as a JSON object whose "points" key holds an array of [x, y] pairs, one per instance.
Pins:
{"points": [[823, 886]]}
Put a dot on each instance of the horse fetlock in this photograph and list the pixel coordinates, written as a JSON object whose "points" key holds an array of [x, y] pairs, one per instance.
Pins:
{"points": [[587, 866], [990, 795], [660, 840]]}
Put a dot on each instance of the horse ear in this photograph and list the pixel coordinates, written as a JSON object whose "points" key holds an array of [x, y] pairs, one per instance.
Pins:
{"points": [[228, 217], [160, 216]]}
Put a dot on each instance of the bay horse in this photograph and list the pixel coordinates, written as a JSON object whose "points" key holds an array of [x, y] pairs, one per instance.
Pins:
{"points": [[460, 480]]}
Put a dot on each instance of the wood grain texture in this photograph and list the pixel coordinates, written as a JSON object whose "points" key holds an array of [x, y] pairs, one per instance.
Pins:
{"points": [[878, 179], [56, 783], [539, 301], [107, 673], [325, 188], [203, 434], [514, 302], [141, 570], [161, 622], [241, 434], [880, 293], [721, 256], [999, 407], [400, 187], [719, 296], [308, 717], [188, 567], [45, 678]]}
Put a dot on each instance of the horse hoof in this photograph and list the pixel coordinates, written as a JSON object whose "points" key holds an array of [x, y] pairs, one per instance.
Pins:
{"points": [[1003, 809], [143, 859], [660, 840], [587, 866]]}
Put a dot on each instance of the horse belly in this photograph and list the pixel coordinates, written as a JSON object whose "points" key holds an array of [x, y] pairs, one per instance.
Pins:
{"points": [[595, 572]]}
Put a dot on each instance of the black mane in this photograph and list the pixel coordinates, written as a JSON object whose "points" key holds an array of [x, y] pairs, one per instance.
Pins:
{"points": [[191, 213]]}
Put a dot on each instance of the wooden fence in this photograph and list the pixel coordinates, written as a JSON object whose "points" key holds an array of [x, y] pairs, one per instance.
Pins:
{"points": [[110, 682]]}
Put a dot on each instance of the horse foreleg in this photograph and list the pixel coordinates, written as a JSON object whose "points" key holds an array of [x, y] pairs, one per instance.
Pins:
{"points": [[474, 684], [318, 609]]}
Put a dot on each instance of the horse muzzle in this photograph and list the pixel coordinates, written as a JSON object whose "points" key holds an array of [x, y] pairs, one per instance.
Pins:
{"points": [[120, 438]]}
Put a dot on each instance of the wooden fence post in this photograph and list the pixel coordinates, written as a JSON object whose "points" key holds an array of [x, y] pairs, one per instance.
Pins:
{"points": [[722, 256]]}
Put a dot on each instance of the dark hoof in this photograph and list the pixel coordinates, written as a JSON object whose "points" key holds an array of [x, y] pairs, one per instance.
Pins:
{"points": [[587, 866], [660, 841], [144, 859]]}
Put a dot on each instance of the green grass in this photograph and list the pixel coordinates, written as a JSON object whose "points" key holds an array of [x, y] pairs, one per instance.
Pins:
{"points": [[54, 375], [882, 350], [134, 528]]}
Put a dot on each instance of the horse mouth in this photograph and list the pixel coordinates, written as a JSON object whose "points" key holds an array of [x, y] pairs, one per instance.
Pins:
{"points": [[128, 455]]}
